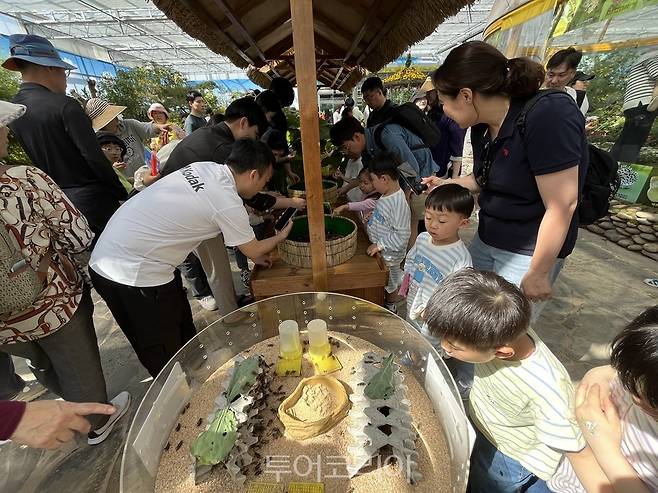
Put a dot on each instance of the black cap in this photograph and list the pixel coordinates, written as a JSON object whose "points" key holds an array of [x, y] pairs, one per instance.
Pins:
{"points": [[110, 138], [580, 75]]}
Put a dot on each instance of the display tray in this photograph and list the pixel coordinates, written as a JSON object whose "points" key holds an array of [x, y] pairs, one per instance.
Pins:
{"points": [[324, 458]]}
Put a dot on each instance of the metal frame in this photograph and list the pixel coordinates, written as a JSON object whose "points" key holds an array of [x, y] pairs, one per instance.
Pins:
{"points": [[135, 32]]}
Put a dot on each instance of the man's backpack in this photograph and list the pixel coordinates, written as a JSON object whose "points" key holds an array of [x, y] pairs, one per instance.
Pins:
{"points": [[602, 179], [409, 116]]}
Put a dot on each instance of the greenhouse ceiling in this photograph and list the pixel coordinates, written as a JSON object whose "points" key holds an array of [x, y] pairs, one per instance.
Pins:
{"points": [[134, 32]]}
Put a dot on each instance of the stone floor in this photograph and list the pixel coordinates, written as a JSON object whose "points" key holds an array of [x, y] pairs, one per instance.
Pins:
{"points": [[599, 290]]}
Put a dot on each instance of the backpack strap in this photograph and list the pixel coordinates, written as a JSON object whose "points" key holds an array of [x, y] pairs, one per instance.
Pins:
{"points": [[521, 119]]}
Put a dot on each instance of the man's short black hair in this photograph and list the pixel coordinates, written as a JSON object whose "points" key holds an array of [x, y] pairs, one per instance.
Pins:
{"points": [[384, 163], [192, 95], [215, 118], [247, 108], [635, 356], [372, 83], [249, 154], [479, 309], [276, 141], [269, 101], [283, 89], [570, 56], [345, 130], [451, 197]]}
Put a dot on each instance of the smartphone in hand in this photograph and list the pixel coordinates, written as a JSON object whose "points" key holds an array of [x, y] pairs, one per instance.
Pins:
{"points": [[284, 218], [414, 184]]}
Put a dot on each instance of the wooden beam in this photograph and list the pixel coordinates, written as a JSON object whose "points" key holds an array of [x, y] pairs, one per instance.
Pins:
{"points": [[208, 19], [326, 44], [240, 11], [240, 27], [270, 28], [275, 52], [321, 20], [304, 42]]}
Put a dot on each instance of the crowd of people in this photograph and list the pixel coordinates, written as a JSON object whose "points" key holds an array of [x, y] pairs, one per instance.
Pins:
{"points": [[152, 218]]}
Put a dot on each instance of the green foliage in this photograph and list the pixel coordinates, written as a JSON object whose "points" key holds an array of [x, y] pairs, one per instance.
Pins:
{"points": [[213, 445], [9, 84], [207, 88], [243, 377], [381, 384], [136, 88]]}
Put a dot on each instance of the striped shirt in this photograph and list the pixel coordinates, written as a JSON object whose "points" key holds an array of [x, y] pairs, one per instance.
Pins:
{"points": [[428, 265], [639, 444], [525, 408], [642, 81], [389, 226]]}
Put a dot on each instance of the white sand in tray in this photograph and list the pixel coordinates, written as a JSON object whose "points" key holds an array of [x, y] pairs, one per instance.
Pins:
{"points": [[320, 459]]}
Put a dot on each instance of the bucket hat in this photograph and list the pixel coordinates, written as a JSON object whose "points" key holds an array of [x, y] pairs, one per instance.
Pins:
{"points": [[110, 138], [10, 112], [34, 49], [157, 107], [100, 112]]}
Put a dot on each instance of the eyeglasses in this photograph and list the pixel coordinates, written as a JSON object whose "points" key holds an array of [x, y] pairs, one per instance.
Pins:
{"points": [[482, 176]]}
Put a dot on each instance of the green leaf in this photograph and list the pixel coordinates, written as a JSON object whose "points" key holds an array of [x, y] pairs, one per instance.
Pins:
{"points": [[243, 377], [213, 445], [381, 384]]}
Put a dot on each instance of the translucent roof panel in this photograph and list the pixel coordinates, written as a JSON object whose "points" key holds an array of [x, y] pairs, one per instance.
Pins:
{"points": [[135, 32]]}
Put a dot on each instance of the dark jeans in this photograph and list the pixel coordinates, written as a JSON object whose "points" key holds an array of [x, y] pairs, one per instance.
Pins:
{"points": [[241, 258], [10, 382], [96, 203], [67, 362], [156, 320], [192, 270], [637, 126]]}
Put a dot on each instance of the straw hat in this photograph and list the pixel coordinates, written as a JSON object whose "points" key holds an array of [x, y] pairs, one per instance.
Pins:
{"points": [[10, 112], [157, 107], [100, 112]]}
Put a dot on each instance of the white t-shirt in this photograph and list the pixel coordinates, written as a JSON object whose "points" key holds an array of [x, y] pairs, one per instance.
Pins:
{"points": [[584, 107], [352, 170], [154, 231]]}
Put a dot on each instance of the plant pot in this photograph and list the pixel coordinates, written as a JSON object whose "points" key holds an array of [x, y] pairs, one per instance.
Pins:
{"points": [[329, 191], [340, 247]]}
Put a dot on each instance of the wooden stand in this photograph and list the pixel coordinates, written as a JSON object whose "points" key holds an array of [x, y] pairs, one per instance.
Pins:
{"points": [[362, 276]]}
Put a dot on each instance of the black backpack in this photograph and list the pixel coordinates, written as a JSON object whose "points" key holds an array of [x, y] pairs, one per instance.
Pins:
{"points": [[409, 116], [601, 180]]}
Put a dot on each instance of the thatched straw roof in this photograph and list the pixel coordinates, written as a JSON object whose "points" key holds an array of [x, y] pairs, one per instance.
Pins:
{"points": [[351, 36]]}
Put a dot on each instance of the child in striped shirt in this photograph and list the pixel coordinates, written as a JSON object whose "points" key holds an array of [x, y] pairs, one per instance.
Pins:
{"points": [[368, 201], [389, 226], [521, 399], [438, 252], [617, 409]]}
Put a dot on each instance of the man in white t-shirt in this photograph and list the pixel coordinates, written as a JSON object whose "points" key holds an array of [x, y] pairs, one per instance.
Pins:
{"points": [[133, 266]]}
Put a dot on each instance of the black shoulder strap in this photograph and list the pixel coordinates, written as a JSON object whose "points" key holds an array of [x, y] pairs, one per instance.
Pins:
{"points": [[521, 119]]}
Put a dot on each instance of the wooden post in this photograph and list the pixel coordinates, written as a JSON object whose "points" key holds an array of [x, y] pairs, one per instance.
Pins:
{"points": [[304, 46]]}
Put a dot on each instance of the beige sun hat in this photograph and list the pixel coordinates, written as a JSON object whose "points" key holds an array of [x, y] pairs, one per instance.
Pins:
{"points": [[100, 112], [10, 112]]}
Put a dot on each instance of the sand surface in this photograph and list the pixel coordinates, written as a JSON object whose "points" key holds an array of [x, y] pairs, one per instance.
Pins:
{"points": [[320, 459]]}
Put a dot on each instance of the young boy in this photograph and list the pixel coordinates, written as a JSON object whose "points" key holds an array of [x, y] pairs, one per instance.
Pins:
{"points": [[389, 225], [438, 252], [367, 204], [521, 399], [617, 408]]}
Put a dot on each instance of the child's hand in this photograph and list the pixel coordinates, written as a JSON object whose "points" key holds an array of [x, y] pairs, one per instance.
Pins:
{"points": [[372, 250], [339, 174], [150, 180], [599, 420], [119, 165], [294, 177], [602, 376], [340, 209], [298, 203]]}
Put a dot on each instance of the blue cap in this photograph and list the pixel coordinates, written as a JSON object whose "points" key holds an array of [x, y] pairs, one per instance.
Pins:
{"points": [[34, 49]]}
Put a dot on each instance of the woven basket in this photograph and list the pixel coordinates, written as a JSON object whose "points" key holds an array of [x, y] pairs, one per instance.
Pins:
{"points": [[329, 191], [298, 253]]}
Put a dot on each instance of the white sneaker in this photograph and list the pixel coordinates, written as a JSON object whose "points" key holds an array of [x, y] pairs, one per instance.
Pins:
{"points": [[122, 403], [208, 303], [32, 390]]}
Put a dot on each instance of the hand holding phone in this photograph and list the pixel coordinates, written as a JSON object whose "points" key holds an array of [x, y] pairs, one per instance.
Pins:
{"points": [[283, 220]]}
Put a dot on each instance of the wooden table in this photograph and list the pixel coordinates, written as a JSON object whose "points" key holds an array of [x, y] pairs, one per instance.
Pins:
{"points": [[362, 276]]}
